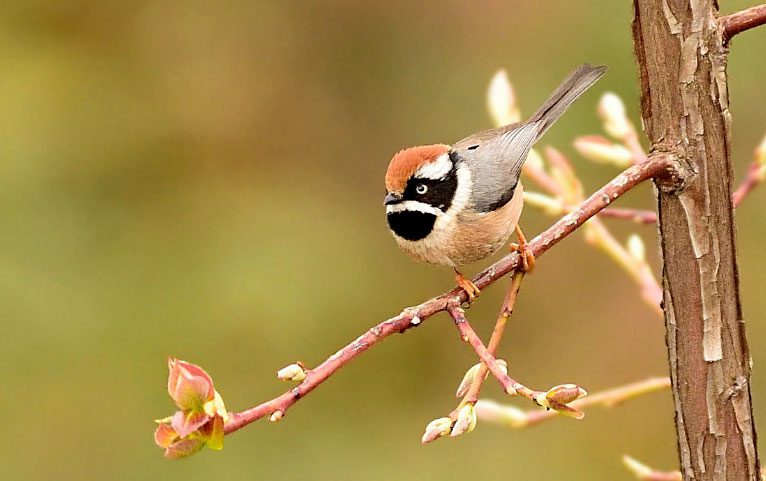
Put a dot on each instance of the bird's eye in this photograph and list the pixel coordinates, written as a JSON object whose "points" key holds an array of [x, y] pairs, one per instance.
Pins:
{"points": [[421, 189]]}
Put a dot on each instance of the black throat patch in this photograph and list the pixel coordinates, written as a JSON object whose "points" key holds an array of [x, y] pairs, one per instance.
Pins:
{"points": [[411, 224]]}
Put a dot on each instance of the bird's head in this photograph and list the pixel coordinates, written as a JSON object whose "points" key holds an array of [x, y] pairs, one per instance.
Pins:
{"points": [[420, 187]]}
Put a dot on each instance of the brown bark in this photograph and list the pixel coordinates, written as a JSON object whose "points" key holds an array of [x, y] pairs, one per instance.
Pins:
{"points": [[682, 63]]}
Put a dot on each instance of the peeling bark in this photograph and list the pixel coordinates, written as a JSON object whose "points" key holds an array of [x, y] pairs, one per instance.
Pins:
{"points": [[682, 63]]}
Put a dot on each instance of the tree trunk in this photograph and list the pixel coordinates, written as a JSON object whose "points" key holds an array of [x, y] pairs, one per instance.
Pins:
{"points": [[684, 103]]}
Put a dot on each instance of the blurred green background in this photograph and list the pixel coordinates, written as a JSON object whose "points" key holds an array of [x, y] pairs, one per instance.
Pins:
{"points": [[204, 179]]}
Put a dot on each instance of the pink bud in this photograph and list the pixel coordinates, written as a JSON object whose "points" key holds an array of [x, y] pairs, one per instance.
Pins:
{"points": [[466, 420], [213, 432], [599, 149], [436, 429], [189, 385], [164, 436], [174, 446], [565, 393], [612, 113], [183, 448], [186, 422]]}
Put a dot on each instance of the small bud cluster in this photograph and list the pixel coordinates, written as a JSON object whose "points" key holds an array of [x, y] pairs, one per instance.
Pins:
{"points": [[559, 397], [464, 422], [201, 414]]}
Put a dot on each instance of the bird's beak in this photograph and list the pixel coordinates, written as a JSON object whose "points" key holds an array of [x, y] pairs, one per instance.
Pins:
{"points": [[392, 199]]}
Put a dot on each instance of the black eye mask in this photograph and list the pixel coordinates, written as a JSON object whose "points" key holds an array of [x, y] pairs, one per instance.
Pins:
{"points": [[440, 192]]}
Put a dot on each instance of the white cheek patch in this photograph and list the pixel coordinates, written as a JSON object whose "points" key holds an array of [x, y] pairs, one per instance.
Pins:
{"points": [[413, 205], [459, 201], [438, 169]]}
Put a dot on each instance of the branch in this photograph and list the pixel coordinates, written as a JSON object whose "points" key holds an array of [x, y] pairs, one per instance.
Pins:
{"points": [[510, 385], [756, 172], [474, 389], [659, 165], [644, 473], [740, 21], [639, 216], [635, 265], [515, 418], [755, 175]]}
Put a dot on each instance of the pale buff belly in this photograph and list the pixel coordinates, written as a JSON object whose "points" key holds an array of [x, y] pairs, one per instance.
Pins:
{"points": [[468, 238]]}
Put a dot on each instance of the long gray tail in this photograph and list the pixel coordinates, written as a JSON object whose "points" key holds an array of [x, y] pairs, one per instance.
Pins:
{"points": [[580, 80]]}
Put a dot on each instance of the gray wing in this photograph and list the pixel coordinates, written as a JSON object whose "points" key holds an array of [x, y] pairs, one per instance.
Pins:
{"points": [[502, 153]]}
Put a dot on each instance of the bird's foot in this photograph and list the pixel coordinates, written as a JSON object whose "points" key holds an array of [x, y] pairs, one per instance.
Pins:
{"points": [[527, 258], [467, 285]]}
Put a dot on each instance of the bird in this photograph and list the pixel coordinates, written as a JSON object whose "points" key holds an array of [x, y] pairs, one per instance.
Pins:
{"points": [[452, 205]]}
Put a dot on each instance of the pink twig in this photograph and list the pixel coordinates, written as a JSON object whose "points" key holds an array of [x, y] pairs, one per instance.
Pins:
{"points": [[510, 385], [635, 215], [751, 181]]}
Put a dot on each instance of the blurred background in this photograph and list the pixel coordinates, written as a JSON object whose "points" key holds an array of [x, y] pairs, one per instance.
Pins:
{"points": [[204, 179]]}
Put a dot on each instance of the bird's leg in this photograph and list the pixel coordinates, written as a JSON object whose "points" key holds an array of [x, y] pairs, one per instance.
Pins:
{"points": [[467, 285], [527, 258]]}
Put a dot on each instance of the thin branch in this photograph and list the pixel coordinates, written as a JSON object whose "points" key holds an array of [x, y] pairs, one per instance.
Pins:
{"points": [[515, 418], [510, 385], [542, 178], [639, 216], [644, 473], [754, 176], [659, 165], [639, 269], [740, 21], [472, 396]]}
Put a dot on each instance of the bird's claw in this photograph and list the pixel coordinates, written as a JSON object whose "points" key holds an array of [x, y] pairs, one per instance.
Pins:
{"points": [[527, 258], [467, 285]]}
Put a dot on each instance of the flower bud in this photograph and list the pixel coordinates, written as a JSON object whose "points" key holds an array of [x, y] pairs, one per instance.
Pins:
{"points": [[546, 203], [183, 448], [639, 469], [176, 447], [186, 422], [468, 378], [600, 150], [276, 416], [471, 373], [501, 100], [212, 433], [216, 407], [565, 393], [466, 420], [435, 429], [611, 109], [164, 435], [294, 372], [636, 248], [201, 417], [189, 385]]}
